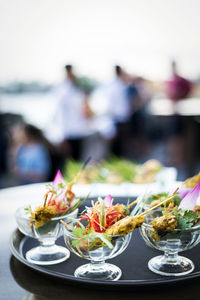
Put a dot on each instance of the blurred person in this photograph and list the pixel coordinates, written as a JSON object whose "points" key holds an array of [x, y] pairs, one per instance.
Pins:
{"points": [[119, 108], [29, 159], [128, 97], [139, 94], [177, 87], [70, 124], [7, 120]]}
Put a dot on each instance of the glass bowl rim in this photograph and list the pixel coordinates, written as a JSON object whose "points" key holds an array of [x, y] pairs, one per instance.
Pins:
{"points": [[190, 229]]}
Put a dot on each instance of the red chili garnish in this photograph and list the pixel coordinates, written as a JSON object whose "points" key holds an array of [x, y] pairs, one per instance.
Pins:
{"points": [[170, 208]]}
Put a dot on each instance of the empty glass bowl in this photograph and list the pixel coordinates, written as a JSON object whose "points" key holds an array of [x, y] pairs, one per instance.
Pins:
{"points": [[170, 264], [97, 253], [47, 253]]}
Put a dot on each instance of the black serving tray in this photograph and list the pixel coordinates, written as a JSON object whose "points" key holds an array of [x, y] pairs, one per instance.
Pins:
{"points": [[133, 263]]}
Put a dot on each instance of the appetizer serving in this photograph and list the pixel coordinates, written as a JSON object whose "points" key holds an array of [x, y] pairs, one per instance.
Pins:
{"points": [[102, 220], [174, 228], [43, 221], [102, 232], [59, 200], [115, 171], [186, 187], [155, 199]]}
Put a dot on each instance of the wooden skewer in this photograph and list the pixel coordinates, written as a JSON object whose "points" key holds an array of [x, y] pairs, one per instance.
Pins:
{"points": [[64, 223], [159, 204], [45, 200], [134, 202]]}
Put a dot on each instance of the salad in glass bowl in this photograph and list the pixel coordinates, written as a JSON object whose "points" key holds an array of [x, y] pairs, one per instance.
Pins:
{"points": [[173, 229], [102, 232], [42, 221]]}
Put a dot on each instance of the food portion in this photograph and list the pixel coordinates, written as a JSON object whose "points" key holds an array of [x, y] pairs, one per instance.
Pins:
{"points": [[115, 171], [125, 225], [100, 224], [186, 188], [163, 225], [180, 216], [155, 199], [42, 215], [59, 200]]}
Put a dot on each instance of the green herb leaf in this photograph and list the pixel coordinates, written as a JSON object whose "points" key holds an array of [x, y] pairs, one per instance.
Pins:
{"points": [[127, 208], [75, 243], [79, 231], [28, 209], [105, 238], [61, 185], [102, 208]]}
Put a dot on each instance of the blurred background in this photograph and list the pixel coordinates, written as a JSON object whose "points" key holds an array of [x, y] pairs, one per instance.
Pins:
{"points": [[98, 78]]}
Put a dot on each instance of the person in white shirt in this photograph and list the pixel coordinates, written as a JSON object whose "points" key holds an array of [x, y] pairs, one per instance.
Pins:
{"points": [[119, 107], [70, 121]]}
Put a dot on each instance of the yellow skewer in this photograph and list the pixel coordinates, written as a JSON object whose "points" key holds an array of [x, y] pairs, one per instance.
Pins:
{"points": [[64, 223], [45, 200], [159, 204], [134, 202]]}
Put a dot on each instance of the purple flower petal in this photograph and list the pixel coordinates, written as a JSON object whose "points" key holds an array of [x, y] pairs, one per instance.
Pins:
{"points": [[182, 192], [189, 201], [108, 201], [58, 178]]}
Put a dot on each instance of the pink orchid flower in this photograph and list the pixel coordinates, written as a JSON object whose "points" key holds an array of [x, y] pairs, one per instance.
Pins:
{"points": [[190, 200], [58, 179], [182, 192], [108, 200]]}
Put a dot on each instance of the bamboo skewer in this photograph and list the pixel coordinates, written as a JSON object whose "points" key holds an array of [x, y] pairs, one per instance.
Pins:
{"points": [[159, 204], [134, 202], [45, 200], [64, 223]]}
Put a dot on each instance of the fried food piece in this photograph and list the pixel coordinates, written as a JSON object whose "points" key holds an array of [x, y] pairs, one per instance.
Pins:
{"points": [[42, 215], [140, 220], [163, 225], [125, 225], [120, 207], [191, 182]]}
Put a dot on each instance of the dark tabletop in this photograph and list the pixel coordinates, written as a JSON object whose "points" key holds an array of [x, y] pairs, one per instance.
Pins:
{"points": [[17, 281]]}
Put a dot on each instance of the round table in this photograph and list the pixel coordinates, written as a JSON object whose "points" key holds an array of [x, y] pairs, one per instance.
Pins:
{"points": [[18, 281]]}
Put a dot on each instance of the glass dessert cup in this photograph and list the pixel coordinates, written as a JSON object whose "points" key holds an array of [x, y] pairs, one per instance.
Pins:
{"points": [[97, 254], [170, 264], [47, 253]]}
